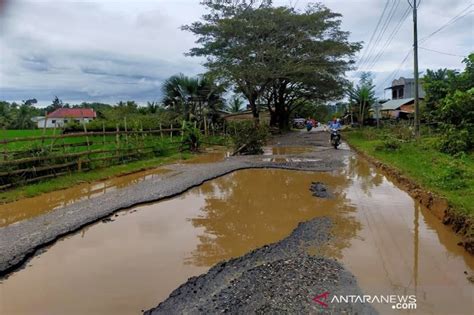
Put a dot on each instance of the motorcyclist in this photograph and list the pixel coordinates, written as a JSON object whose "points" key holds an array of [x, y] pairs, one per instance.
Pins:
{"points": [[334, 125]]}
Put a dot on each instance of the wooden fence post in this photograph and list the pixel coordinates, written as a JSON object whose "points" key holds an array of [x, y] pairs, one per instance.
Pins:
{"points": [[126, 131], [205, 126], [182, 130], [103, 135], [5, 144], [44, 126], [161, 132], [117, 142], [171, 134]]}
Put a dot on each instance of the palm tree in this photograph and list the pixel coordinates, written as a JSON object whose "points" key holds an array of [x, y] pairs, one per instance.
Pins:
{"points": [[362, 97], [191, 96], [235, 105]]}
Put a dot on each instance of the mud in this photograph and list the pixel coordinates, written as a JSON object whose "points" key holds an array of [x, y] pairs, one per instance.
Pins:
{"points": [[20, 240], [460, 223], [35, 206], [396, 247], [154, 248], [280, 278]]}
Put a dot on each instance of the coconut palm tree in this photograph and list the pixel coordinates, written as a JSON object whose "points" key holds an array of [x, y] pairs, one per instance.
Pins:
{"points": [[235, 105], [362, 97], [192, 97]]}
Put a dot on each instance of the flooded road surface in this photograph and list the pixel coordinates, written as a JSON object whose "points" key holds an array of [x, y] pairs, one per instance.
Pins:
{"points": [[34, 206], [30, 207], [381, 235]]}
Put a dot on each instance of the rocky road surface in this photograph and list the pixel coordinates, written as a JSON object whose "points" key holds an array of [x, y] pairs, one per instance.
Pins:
{"points": [[280, 278]]}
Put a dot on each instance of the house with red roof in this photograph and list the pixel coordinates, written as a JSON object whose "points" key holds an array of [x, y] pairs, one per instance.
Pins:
{"points": [[62, 116]]}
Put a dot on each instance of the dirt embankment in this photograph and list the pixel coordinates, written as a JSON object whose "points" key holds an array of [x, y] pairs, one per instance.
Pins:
{"points": [[439, 206], [280, 278]]}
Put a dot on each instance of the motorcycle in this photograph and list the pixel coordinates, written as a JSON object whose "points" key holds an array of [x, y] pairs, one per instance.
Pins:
{"points": [[335, 138]]}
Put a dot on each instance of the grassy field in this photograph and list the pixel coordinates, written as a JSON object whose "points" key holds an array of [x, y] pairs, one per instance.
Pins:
{"points": [[169, 150], [77, 178], [448, 176]]}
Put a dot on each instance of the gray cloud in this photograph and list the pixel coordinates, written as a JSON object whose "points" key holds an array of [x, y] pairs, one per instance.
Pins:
{"points": [[108, 50]]}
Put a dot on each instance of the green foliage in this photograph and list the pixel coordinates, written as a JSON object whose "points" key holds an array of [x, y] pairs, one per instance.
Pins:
{"points": [[193, 97], [235, 104], [271, 54], [247, 137], [452, 176], [362, 97], [449, 103], [192, 137], [389, 144], [454, 141]]}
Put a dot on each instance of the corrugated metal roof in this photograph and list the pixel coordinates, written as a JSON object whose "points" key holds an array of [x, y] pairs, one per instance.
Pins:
{"points": [[395, 104]]}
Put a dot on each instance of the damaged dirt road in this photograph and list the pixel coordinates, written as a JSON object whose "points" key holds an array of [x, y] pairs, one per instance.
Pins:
{"points": [[240, 240]]}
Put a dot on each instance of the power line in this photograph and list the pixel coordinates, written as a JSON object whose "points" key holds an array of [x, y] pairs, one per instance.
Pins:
{"points": [[385, 25], [441, 52], [395, 72], [390, 38], [456, 18], [364, 55]]}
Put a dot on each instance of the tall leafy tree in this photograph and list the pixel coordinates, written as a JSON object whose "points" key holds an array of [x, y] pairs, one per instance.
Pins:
{"points": [[275, 55]]}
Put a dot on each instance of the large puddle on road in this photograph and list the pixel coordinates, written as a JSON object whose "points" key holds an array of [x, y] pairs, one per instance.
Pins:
{"points": [[34, 206], [383, 237]]}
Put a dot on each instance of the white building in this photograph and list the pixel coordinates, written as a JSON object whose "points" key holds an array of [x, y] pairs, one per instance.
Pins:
{"points": [[63, 116]]}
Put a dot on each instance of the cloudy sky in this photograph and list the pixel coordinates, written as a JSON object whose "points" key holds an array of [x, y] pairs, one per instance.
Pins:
{"points": [[111, 50]]}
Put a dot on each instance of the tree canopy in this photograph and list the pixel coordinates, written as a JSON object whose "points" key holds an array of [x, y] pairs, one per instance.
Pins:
{"points": [[275, 56]]}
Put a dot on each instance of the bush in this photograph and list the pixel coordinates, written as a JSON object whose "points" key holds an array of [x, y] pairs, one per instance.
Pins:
{"points": [[191, 137], [455, 141], [389, 144], [248, 138], [402, 132]]}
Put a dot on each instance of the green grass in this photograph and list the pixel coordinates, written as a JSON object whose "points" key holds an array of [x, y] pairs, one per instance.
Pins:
{"points": [[169, 155], [448, 176], [95, 175]]}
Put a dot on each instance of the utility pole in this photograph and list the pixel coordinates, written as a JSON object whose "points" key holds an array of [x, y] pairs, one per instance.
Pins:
{"points": [[415, 54]]}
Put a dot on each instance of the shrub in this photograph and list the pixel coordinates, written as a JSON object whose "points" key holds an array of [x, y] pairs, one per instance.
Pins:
{"points": [[402, 132], [191, 137], [388, 144], [248, 138], [455, 140]]}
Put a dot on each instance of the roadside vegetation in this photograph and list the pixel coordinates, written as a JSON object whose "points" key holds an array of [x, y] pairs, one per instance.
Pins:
{"points": [[442, 159], [449, 176]]}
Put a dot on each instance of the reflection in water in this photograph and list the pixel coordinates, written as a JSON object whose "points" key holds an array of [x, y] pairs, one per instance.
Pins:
{"points": [[251, 208], [389, 242], [402, 248], [34, 206]]}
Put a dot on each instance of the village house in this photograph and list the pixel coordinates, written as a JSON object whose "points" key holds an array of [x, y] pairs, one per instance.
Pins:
{"points": [[62, 116], [402, 104]]}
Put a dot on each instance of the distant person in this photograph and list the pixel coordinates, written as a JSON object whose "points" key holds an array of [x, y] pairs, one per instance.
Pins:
{"points": [[309, 124]]}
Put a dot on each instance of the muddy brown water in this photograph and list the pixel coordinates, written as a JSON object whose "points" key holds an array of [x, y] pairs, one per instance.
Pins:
{"points": [[381, 235], [30, 207]]}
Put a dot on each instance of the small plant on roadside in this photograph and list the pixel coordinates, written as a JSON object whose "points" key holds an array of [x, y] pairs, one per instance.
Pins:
{"points": [[389, 144], [455, 140], [191, 137], [247, 138]]}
